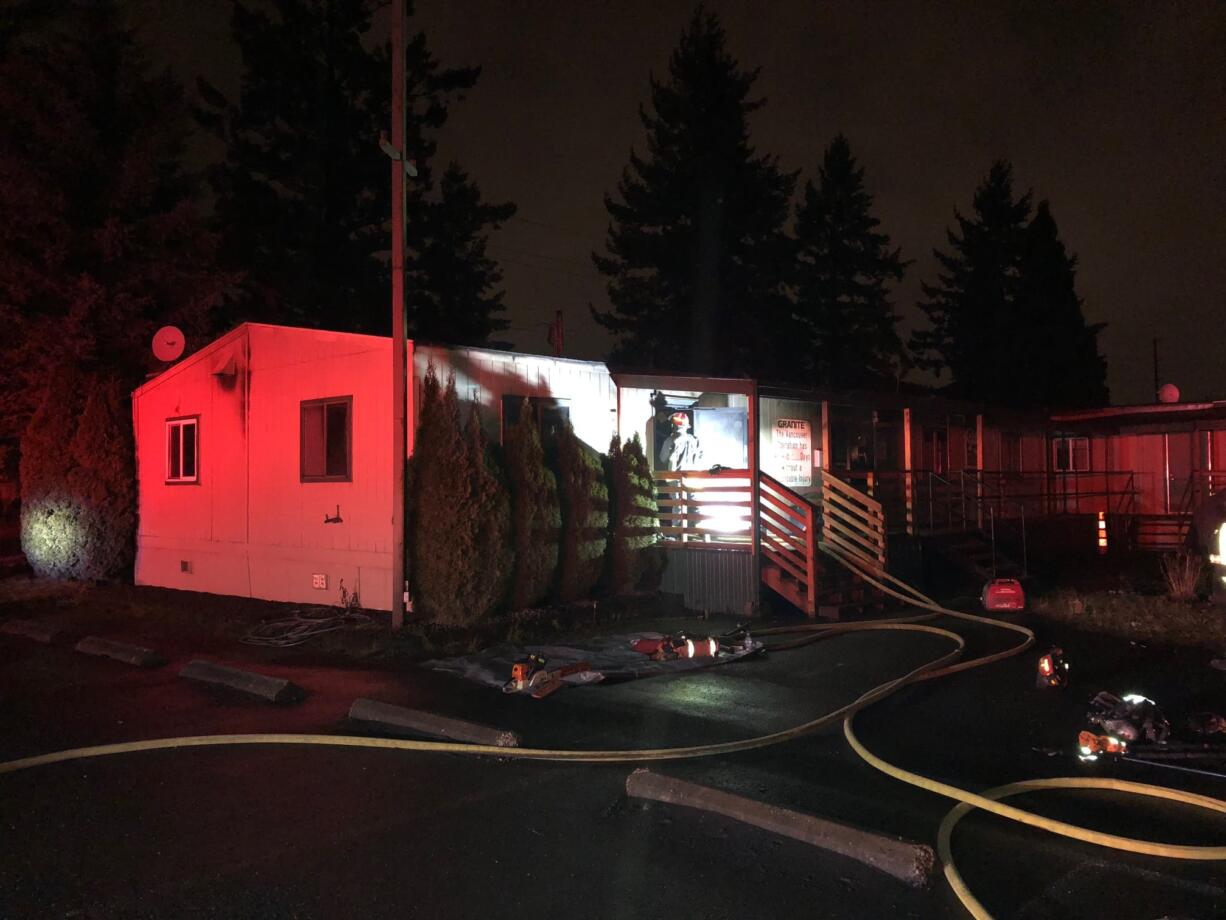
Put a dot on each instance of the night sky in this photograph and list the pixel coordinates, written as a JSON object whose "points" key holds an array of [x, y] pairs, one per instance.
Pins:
{"points": [[1115, 112]]}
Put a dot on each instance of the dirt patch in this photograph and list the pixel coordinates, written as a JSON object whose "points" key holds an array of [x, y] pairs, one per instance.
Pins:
{"points": [[1132, 615], [187, 622]]}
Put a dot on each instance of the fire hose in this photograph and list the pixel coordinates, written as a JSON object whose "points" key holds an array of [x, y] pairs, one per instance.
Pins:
{"points": [[946, 664]]}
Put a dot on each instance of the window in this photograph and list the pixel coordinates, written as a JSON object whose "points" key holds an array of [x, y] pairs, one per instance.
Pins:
{"points": [[936, 450], [1010, 451], [552, 415], [1070, 455], [327, 440], [182, 449]]}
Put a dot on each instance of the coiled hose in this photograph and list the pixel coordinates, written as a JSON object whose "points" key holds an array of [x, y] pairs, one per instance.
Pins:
{"points": [[948, 663]]}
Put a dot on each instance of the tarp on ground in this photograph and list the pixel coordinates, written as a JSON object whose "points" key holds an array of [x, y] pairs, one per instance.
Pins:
{"points": [[611, 659]]}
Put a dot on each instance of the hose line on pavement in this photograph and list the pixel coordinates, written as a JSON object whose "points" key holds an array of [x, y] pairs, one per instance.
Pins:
{"points": [[947, 663]]}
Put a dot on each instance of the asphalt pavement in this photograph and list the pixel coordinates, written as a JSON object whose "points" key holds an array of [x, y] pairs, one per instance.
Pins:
{"points": [[302, 832]]}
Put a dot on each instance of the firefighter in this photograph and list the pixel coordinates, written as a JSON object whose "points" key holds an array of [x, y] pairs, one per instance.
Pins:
{"points": [[1205, 539], [681, 450]]}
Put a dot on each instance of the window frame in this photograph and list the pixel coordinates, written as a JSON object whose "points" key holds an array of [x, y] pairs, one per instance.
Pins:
{"points": [[1068, 441], [324, 402], [180, 422]]}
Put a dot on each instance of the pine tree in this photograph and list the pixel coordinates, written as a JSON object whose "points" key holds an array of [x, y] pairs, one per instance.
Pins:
{"points": [[696, 249], [844, 269], [1062, 365], [102, 243], [972, 307], [459, 301], [303, 191]]}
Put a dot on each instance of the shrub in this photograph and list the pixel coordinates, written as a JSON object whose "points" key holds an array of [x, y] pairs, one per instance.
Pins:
{"points": [[584, 500], [634, 559], [458, 515], [78, 481], [1182, 573], [536, 518]]}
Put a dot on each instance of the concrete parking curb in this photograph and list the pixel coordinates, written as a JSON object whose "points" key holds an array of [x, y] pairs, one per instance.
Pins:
{"points": [[136, 655], [273, 689], [31, 629], [428, 723], [910, 862]]}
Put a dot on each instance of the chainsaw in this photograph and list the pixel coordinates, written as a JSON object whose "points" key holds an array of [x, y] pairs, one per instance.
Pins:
{"points": [[532, 674]]}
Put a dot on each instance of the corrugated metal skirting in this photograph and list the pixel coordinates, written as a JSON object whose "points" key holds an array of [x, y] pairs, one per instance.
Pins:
{"points": [[713, 580]]}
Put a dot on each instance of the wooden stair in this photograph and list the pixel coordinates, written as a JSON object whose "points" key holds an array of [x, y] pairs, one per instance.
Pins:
{"points": [[1160, 533], [792, 528]]}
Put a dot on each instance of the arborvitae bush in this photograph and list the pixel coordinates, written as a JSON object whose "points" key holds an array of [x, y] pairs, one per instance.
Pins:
{"points": [[634, 560], [458, 515], [490, 522], [103, 482], [78, 481], [643, 517], [584, 500], [536, 519]]}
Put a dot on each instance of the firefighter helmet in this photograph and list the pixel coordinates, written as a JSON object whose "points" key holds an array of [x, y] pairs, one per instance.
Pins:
{"points": [[680, 419]]}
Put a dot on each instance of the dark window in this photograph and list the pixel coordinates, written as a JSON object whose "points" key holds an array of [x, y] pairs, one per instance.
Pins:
{"points": [[1010, 451], [936, 450], [551, 415], [327, 440], [1071, 455], [181, 453]]}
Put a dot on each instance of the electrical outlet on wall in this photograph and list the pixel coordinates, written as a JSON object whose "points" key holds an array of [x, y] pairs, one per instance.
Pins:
{"points": [[319, 581]]}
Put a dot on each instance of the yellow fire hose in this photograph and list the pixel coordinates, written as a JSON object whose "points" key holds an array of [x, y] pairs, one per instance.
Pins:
{"points": [[945, 664]]}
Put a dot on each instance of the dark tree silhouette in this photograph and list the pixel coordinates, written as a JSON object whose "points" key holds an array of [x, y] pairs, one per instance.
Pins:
{"points": [[101, 241], [971, 308], [1061, 362], [844, 270], [696, 250], [303, 191], [1006, 319], [100, 244]]}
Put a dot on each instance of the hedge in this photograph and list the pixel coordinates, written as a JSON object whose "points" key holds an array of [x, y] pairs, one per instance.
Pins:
{"points": [[584, 500], [459, 518], [78, 480], [635, 560], [536, 517]]}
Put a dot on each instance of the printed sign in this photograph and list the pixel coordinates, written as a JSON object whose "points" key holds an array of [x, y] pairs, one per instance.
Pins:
{"points": [[792, 452]]}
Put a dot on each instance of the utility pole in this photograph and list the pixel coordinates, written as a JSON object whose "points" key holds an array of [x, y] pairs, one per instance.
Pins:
{"points": [[399, 347]]}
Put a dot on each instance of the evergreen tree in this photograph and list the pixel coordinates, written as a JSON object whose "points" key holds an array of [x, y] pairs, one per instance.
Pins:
{"points": [[972, 307], [696, 250], [1062, 365], [303, 191], [634, 557], [102, 244], [536, 520], [844, 269], [584, 500], [459, 519], [102, 241]]}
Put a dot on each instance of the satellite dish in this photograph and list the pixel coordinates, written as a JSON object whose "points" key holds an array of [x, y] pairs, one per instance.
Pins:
{"points": [[168, 343], [1168, 393]]}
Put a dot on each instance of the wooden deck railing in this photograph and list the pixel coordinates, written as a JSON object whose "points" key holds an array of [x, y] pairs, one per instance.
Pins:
{"points": [[705, 506], [852, 522], [787, 523]]}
